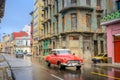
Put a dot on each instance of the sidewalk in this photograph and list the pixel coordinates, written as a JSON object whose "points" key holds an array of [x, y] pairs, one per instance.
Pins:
{"points": [[108, 65], [4, 69]]}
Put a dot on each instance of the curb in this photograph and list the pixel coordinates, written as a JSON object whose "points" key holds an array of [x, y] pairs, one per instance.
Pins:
{"points": [[108, 65], [9, 72]]}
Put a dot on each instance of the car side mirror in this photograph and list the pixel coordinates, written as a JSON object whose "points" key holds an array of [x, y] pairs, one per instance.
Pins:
{"points": [[73, 53]]}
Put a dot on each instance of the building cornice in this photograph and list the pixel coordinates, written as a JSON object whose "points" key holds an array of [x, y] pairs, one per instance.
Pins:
{"points": [[2, 6]]}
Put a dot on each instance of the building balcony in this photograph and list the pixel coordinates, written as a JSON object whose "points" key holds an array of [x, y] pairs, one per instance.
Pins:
{"points": [[49, 19], [99, 9], [46, 37], [56, 15], [111, 18], [43, 8], [49, 3], [46, 20], [75, 7]]}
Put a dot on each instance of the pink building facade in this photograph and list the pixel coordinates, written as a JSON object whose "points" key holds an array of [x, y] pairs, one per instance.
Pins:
{"points": [[113, 31], [112, 23]]}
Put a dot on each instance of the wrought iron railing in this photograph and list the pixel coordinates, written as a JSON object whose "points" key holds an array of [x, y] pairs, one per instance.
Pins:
{"points": [[112, 16]]}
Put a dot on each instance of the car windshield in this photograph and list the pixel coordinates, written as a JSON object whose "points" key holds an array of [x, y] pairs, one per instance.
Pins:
{"points": [[63, 52], [19, 53]]}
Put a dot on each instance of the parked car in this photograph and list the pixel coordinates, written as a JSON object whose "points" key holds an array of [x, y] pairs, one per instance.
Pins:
{"points": [[29, 54], [19, 55], [63, 58], [100, 58]]}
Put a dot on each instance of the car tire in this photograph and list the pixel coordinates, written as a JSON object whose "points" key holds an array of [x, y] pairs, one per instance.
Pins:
{"points": [[16, 56], [94, 62], [78, 67], [48, 64], [61, 66], [101, 61]]}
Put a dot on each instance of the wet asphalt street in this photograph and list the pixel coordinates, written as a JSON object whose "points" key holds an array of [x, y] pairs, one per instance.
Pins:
{"points": [[28, 68]]}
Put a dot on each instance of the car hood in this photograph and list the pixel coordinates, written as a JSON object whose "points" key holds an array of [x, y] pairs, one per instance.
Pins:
{"points": [[69, 57], [97, 57]]}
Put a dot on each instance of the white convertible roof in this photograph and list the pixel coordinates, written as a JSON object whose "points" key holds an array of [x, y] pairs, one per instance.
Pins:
{"points": [[59, 49]]}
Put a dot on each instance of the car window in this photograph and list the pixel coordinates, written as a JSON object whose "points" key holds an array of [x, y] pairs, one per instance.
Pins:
{"points": [[64, 52], [61, 52], [19, 53], [105, 55]]}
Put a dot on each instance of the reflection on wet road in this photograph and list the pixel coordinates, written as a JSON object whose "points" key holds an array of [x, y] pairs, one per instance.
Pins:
{"points": [[87, 72], [24, 69]]}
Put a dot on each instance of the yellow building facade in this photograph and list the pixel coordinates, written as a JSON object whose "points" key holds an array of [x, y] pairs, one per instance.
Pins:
{"points": [[0, 47], [37, 26]]}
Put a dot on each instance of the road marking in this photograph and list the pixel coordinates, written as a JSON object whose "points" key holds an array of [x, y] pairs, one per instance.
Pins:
{"points": [[56, 77], [105, 75]]}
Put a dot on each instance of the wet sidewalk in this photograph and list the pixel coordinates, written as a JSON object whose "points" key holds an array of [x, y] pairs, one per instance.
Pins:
{"points": [[4, 69], [108, 65]]}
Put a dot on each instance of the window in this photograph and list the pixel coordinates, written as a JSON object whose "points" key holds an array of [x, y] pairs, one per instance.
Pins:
{"points": [[95, 47], [63, 24], [102, 46], [42, 15], [63, 3], [88, 20], [50, 27], [99, 2], [88, 2], [50, 11], [118, 5], [53, 9], [57, 6], [42, 31], [73, 1], [53, 28], [26, 43], [57, 26], [74, 21], [98, 21], [73, 38]]}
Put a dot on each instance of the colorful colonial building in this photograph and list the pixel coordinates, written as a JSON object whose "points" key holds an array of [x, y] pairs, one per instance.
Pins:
{"points": [[112, 23], [18, 41], [37, 26], [74, 24]]}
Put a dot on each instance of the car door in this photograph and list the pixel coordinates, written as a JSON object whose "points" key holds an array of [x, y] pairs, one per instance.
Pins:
{"points": [[53, 58]]}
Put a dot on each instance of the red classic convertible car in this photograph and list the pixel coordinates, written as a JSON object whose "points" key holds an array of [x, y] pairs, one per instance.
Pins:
{"points": [[63, 58]]}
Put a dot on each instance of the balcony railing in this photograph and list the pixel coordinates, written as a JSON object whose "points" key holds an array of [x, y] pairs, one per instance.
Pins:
{"points": [[111, 18], [78, 5]]}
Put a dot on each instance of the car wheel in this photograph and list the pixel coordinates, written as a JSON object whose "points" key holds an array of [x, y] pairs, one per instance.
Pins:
{"points": [[61, 66], [101, 61], [16, 56], [78, 67], [48, 64], [94, 62]]}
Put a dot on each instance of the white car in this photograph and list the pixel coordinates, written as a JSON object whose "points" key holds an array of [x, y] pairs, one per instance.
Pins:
{"points": [[29, 54]]}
